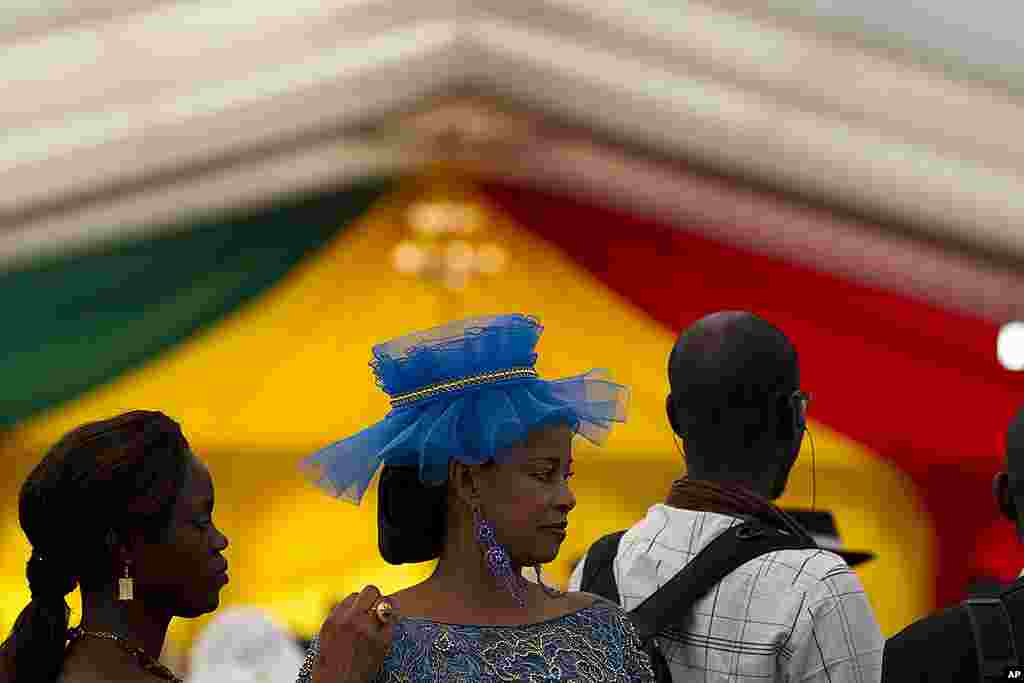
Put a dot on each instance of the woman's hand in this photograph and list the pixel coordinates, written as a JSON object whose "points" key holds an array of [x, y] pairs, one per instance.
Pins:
{"points": [[353, 640]]}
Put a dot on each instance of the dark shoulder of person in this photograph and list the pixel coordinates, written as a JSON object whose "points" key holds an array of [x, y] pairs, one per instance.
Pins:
{"points": [[937, 648]]}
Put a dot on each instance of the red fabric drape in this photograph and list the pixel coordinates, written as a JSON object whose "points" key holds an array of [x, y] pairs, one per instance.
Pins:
{"points": [[919, 385]]}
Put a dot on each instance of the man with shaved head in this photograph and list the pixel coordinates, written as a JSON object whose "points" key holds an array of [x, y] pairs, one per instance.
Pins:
{"points": [[944, 646], [732, 376], [797, 614]]}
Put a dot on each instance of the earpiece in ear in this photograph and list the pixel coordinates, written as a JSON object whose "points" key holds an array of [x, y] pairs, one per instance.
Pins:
{"points": [[798, 406]]}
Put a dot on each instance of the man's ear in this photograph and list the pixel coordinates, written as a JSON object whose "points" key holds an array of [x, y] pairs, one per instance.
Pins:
{"points": [[1004, 497]]}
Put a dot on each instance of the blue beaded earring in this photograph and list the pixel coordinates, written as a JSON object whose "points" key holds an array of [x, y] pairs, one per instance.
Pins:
{"points": [[498, 562]]}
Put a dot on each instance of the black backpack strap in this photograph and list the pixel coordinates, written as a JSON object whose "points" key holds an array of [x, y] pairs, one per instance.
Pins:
{"points": [[598, 574], [731, 549], [993, 636]]}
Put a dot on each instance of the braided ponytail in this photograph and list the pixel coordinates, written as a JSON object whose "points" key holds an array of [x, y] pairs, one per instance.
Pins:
{"points": [[36, 644]]}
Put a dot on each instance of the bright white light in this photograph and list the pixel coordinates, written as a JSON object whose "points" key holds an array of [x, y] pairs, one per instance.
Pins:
{"points": [[1010, 346]]}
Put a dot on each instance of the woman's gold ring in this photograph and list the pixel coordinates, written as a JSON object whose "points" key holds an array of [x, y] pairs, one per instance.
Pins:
{"points": [[383, 610]]}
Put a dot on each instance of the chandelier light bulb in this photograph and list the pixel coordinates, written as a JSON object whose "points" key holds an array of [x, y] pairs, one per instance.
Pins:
{"points": [[409, 258], [1010, 346], [439, 217], [429, 218]]}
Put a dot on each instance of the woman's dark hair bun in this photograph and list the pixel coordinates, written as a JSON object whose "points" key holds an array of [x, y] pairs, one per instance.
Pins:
{"points": [[411, 516]]}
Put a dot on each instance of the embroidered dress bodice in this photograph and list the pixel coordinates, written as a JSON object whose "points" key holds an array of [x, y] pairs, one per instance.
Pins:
{"points": [[596, 644]]}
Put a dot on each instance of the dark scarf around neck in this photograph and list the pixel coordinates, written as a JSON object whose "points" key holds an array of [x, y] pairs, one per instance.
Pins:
{"points": [[729, 499]]}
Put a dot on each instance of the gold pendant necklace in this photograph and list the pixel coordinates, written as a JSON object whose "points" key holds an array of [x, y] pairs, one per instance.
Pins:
{"points": [[147, 662]]}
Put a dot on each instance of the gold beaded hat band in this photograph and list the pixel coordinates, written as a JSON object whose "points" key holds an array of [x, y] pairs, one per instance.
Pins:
{"points": [[460, 384], [467, 390]]}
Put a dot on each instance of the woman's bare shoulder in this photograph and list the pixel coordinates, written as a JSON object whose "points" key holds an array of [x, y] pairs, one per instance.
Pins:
{"points": [[414, 600]]}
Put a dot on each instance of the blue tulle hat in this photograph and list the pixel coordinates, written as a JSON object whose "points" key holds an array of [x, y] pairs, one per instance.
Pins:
{"points": [[466, 390]]}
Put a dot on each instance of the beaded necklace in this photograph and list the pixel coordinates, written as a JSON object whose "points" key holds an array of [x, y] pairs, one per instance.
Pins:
{"points": [[147, 662]]}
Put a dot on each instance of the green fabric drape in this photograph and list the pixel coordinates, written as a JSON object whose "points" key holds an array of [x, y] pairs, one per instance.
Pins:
{"points": [[77, 321]]}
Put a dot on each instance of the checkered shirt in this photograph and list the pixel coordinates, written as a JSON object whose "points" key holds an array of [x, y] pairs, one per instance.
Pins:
{"points": [[789, 615]]}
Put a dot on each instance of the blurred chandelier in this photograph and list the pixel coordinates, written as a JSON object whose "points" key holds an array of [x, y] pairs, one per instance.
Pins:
{"points": [[447, 242], [445, 220]]}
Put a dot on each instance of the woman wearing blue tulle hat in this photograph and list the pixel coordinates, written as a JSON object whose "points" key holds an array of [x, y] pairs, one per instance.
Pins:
{"points": [[477, 455]]}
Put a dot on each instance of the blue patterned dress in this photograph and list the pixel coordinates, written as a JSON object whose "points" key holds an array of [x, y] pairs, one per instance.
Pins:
{"points": [[596, 644]]}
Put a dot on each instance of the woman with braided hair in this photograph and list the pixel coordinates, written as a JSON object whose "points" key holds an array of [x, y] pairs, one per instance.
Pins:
{"points": [[123, 509]]}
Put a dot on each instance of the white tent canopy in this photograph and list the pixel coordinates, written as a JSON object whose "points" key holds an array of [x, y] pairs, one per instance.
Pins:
{"points": [[119, 118], [980, 38]]}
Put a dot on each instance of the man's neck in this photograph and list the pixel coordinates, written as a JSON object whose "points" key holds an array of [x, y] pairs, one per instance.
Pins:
{"points": [[763, 487], [735, 501]]}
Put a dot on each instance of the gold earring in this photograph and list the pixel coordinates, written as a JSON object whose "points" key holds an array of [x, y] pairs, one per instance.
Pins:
{"points": [[126, 586]]}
